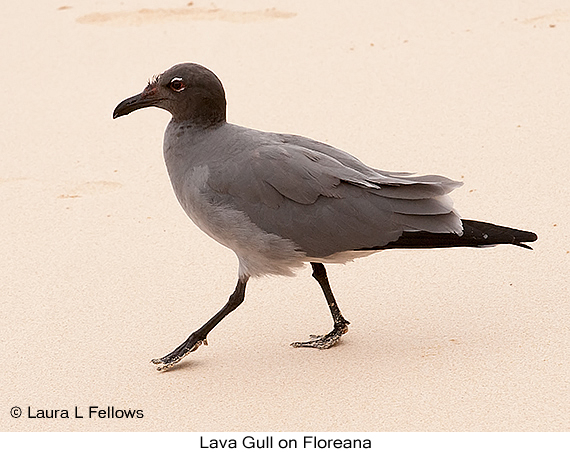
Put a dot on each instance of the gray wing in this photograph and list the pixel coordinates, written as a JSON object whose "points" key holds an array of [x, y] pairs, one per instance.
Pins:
{"points": [[326, 200]]}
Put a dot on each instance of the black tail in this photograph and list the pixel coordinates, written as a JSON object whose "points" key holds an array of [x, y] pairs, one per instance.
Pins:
{"points": [[475, 234]]}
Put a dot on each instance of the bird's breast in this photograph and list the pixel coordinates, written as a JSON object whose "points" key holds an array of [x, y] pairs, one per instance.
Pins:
{"points": [[258, 251]]}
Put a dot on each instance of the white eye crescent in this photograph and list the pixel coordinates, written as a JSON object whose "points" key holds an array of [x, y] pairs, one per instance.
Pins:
{"points": [[177, 84]]}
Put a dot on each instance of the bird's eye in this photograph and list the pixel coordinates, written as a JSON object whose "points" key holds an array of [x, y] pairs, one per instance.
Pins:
{"points": [[176, 84]]}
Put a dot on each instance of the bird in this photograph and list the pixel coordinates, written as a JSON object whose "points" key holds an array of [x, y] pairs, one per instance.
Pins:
{"points": [[281, 201]]}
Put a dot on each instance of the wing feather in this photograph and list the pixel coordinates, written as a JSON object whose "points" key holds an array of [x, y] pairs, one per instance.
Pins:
{"points": [[326, 200]]}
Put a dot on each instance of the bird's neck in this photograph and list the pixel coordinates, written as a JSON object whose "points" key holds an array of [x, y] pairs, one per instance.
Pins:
{"points": [[204, 111]]}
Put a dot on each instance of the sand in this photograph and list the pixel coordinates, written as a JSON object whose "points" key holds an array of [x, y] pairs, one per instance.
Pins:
{"points": [[102, 270]]}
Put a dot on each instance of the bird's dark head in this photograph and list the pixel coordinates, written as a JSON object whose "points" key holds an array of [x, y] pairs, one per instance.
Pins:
{"points": [[188, 91]]}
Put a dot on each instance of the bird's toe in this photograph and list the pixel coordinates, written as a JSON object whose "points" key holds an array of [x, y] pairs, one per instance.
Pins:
{"points": [[323, 342], [166, 362]]}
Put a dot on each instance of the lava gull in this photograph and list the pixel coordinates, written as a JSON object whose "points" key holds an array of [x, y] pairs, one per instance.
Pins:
{"points": [[280, 201]]}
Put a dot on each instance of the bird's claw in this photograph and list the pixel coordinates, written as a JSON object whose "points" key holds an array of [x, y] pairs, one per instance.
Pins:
{"points": [[166, 362], [322, 342]]}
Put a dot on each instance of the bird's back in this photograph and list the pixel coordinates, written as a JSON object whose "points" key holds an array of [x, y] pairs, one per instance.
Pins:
{"points": [[320, 198]]}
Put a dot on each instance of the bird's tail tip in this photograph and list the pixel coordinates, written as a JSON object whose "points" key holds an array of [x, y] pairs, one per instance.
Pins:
{"points": [[500, 234]]}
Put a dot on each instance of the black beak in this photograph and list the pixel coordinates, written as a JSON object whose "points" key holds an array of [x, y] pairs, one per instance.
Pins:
{"points": [[145, 99]]}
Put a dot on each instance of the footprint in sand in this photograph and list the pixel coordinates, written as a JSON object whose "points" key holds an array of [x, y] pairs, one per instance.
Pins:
{"points": [[90, 188], [159, 15], [548, 20]]}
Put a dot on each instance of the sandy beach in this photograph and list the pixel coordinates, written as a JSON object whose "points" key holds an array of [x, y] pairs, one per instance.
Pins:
{"points": [[102, 270]]}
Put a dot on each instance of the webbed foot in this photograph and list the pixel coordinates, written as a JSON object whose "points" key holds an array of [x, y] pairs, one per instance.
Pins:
{"points": [[325, 341], [187, 347]]}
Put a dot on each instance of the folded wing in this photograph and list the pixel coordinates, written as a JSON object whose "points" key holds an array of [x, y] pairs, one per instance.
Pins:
{"points": [[327, 201]]}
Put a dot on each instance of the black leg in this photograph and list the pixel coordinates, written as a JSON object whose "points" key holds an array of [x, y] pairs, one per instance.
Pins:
{"points": [[340, 323], [198, 337]]}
